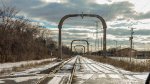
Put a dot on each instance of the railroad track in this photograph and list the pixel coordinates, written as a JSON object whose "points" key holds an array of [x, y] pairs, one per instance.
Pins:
{"points": [[116, 71], [91, 67], [57, 69]]}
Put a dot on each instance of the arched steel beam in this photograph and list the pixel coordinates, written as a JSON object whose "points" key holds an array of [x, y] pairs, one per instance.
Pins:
{"points": [[81, 15], [81, 46], [83, 41]]}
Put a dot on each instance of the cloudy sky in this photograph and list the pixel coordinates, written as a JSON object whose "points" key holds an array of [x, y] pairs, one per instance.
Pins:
{"points": [[120, 16]]}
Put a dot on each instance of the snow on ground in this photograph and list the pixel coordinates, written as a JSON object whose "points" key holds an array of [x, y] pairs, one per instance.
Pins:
{"points": [[9, 66], [64, 74], [59, 79], [93, 72], [37, 69], [55, 80], [68, 66], [17, 80], [28, 76], [1, 82], [88, 72], [32, 75]]}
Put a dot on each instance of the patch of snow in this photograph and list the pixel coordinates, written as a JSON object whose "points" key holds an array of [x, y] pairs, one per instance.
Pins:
{"points": [[56, 80], [84, 76], [130, 77], [102, 76], [114, 76], [1, 81], [36, 70], [22, 79], [109, 73], [9, 66], [144, 76]]}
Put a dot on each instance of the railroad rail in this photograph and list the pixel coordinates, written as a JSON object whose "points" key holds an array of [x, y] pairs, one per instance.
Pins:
{"points": [[40, 81], [72, 72]]}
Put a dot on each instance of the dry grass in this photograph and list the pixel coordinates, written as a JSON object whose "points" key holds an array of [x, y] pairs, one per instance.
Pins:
{"points": [[122, 64]]}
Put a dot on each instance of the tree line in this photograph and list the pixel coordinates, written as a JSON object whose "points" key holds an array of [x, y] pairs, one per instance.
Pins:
{"points": [[20, 40]]}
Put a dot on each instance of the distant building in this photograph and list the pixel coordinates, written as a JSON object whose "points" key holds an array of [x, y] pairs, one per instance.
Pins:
{"points": [[143, 54], [126, 52]]}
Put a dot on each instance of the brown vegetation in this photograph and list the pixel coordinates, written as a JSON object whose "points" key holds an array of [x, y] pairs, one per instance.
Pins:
{"points": [[17, 38], [20, 40]]}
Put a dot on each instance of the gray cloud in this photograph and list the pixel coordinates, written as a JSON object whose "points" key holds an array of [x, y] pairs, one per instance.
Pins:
{"points": [[123, 24], [126, 32], [53, 12], [78, 31], [118, 32], [143, 16], [144, 32]]}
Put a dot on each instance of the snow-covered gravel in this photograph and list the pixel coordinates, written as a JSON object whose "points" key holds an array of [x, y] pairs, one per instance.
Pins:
{"points": [[87, 72], [93, 72], [20, 80], [9, 66], [27, 76], [36, 70], [64, 74]]}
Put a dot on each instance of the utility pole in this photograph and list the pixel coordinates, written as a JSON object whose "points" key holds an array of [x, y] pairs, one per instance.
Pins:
{"points": [[131, 42]]}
